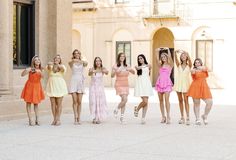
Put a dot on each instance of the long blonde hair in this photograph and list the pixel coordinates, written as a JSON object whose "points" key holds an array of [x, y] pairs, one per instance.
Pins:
{"points": [[33, 62]]}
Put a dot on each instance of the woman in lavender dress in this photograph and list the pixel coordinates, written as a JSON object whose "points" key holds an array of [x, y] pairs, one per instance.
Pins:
{"points": [[97, 98]]}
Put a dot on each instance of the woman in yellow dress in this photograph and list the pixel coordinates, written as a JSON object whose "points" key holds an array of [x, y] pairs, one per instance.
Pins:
{"points": [[182, 83], [56, 87]]}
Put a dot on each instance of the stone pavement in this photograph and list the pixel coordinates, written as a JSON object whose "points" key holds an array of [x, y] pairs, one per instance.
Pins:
{"points": [[113, 141]]}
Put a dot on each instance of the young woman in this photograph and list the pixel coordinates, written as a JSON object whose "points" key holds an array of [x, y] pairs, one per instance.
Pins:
{"points": [[199, 90], [76, 88], [182, 83], [143, 87], [121, 70], [33, 91], [97, 98], [163, 83], [56, 87]]}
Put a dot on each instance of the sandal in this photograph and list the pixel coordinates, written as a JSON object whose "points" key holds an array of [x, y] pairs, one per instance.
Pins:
{"points": [[31, 123], [163, 120], [187, 121], [168, 121], [115, 112], [204, 119], [181, 121], [197, 122], [135, 111]]}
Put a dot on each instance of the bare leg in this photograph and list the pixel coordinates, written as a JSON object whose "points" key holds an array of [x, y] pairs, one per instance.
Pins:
{"points": [[197, 110], [28, 109], [74, 105], [181, 107], [58, 110], [167, 104], [144, 111], [186, 104], [122, 107], [79, 106], [161, 101], [53, 107], [36, 110], [207, 109]]}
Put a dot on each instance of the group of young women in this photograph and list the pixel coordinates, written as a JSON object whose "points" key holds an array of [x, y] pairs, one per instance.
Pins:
{"points": [[56, 88]]}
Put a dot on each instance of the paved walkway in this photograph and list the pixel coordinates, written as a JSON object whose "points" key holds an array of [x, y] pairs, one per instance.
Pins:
{"points": [[113, 141]]}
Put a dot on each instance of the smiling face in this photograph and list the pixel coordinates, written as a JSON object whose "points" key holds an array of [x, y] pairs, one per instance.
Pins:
{"points": [[183, 57], [141, 60], [164, 57], [197, 63], [76, 54], [37, 62], [122, 58], [57, 60], [98, 62]]}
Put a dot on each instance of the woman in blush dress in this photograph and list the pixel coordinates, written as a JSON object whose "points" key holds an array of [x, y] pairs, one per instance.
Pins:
{"points": [[143, 87], [76, 88], [97, 98], [163, 83], [121, 70]]}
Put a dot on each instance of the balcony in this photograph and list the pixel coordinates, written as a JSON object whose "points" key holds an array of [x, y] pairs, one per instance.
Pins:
{"points": [[84, 5]]}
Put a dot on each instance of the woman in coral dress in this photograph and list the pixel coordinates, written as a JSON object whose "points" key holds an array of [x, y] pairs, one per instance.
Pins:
{"points": [[121, 70], [97, 98], [76, 88], [143, 86], [199, 90], [164, 83], [56, 87], [182, 83], [33, 91]]}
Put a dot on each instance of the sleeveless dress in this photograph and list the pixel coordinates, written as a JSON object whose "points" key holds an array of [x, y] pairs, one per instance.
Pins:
{"points": [[33, 91], [56, 85], [97, 98], [143, 86], [122, 83], [164, 83], [199, 88], [77, 79], [182, 80]]}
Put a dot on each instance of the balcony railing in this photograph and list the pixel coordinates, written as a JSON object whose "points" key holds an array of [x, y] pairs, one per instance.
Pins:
{"points": [[84, 5]]}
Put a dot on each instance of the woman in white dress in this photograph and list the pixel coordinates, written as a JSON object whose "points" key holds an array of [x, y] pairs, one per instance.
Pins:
{"points": [[76, 88], [143, 87]]}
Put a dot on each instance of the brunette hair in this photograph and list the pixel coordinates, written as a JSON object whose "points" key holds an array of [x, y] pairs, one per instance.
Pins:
{"points": [[197, 59], [74, 52], [58, 55], [139, 72], [118, 60], [94, 62]]}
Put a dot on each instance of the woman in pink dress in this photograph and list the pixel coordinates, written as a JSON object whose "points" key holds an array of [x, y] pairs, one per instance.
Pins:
{"points": [[164, 83], [97, 98], [121, 71]]}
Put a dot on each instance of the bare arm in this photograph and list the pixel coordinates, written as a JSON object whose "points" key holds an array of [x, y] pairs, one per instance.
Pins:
{"points": [[157, 52], [105, 71], [171, 63], [176, 58], [62, 68], [25, 71], [190, 64], [113, 72], [85, 64], [91, 71]]}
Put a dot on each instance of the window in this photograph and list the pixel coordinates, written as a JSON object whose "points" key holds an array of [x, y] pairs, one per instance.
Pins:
{"points": [[23, 34], [204, 50], [124, 47], [121, 1]]}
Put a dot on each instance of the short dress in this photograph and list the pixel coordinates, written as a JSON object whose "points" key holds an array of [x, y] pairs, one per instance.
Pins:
{"points": [[122, 82], [56, 85], [164, 83], [199, 88], [182, 80], [77, 79], [143, 86], [33, 91], [97, 98]]}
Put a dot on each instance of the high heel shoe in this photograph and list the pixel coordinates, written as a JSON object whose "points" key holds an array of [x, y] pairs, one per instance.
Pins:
{"points": [[204, 119], [163, 120], [135, 111], [198, 122], [122, 120], [31, 123], [37, 123], [115, 112], [143, 121], [187, 121]]}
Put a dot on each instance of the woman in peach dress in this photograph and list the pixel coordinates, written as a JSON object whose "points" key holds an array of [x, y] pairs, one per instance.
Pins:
{"points": [[200, 90], [33, 91], [121, 70]]}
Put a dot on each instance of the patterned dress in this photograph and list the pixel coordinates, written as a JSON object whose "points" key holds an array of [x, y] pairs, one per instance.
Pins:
{"points": [[163, 83], [97, 98], [77, 79], [33, 91], [122, 83]]}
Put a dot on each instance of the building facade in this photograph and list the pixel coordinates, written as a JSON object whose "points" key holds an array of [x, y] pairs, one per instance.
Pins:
{"points": [[204, 28]]}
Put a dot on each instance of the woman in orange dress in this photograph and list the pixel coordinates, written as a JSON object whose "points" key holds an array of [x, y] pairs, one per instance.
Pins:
{"points": [[199, 90], [33, 91], [121, 71]]}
